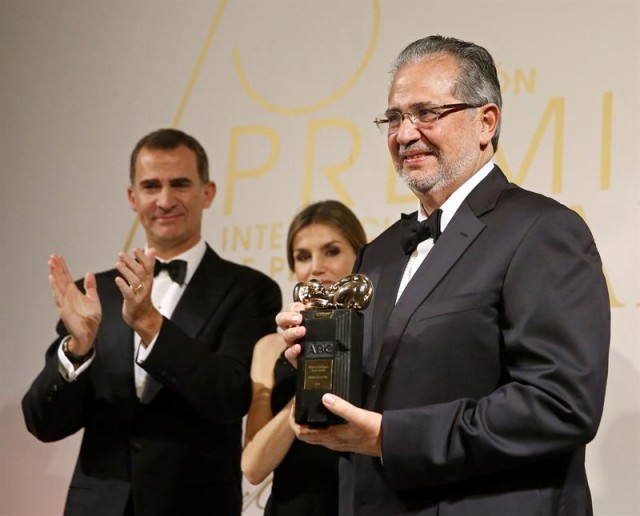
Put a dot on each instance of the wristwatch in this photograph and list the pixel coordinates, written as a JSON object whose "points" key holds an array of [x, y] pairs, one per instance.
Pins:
{"points": [[74, 358]]}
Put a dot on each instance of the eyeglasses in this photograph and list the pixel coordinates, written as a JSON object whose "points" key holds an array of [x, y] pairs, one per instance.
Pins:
{"points": [[420, 116]]}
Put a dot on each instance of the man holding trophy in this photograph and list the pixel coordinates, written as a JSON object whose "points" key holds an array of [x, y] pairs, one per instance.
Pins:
{"points": [[485, 346]]}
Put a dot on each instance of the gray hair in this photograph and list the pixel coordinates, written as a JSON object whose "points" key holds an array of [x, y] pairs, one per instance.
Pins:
{"points": [[477, 82]]}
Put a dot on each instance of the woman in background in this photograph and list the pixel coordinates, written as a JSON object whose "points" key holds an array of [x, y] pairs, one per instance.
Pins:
{"points": [[322, 243]]}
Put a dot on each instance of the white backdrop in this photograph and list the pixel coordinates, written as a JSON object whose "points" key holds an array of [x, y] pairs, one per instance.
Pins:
{"points": [[282, 95]]}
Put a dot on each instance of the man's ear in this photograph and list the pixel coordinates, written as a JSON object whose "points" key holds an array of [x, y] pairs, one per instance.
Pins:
{"points": [[490, 117], [210, 190], [132, 198]]}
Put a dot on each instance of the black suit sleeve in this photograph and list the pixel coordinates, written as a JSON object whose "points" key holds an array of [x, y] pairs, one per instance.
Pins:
{"points": [[53, 408]]}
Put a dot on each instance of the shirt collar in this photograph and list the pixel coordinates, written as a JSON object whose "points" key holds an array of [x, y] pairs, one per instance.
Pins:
{"points": [[451, 205]]}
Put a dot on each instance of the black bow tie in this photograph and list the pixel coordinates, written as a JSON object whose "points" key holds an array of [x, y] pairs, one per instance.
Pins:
{"points": [[177, 269], [413, 232]]}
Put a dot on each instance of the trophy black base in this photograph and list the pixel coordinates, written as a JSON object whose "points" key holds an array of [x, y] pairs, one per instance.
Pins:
{"points": [[331, 361]]}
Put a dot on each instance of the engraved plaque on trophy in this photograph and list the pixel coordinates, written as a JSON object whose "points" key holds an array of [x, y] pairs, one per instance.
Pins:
{"points": [[331, 357]]}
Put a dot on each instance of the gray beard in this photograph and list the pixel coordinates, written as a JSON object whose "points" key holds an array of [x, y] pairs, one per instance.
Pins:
{"points": [[447, 174], [443, 177]]}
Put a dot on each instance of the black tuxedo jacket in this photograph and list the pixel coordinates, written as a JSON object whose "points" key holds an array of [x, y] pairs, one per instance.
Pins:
{"points": [[490, 370], [180, 453]]}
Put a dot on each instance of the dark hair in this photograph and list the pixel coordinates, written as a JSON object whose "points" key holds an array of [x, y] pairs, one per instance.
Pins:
{"points": [[168, 139], [477, 82], [331, 213]]}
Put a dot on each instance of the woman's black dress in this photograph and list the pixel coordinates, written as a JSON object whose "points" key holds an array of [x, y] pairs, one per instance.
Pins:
{"points": [[305, 483]]}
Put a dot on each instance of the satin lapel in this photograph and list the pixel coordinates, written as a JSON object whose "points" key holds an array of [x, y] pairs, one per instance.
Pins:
{"points": [[460, 233], [203, 294], [115, 342], [462, 230], [384, 298]]}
